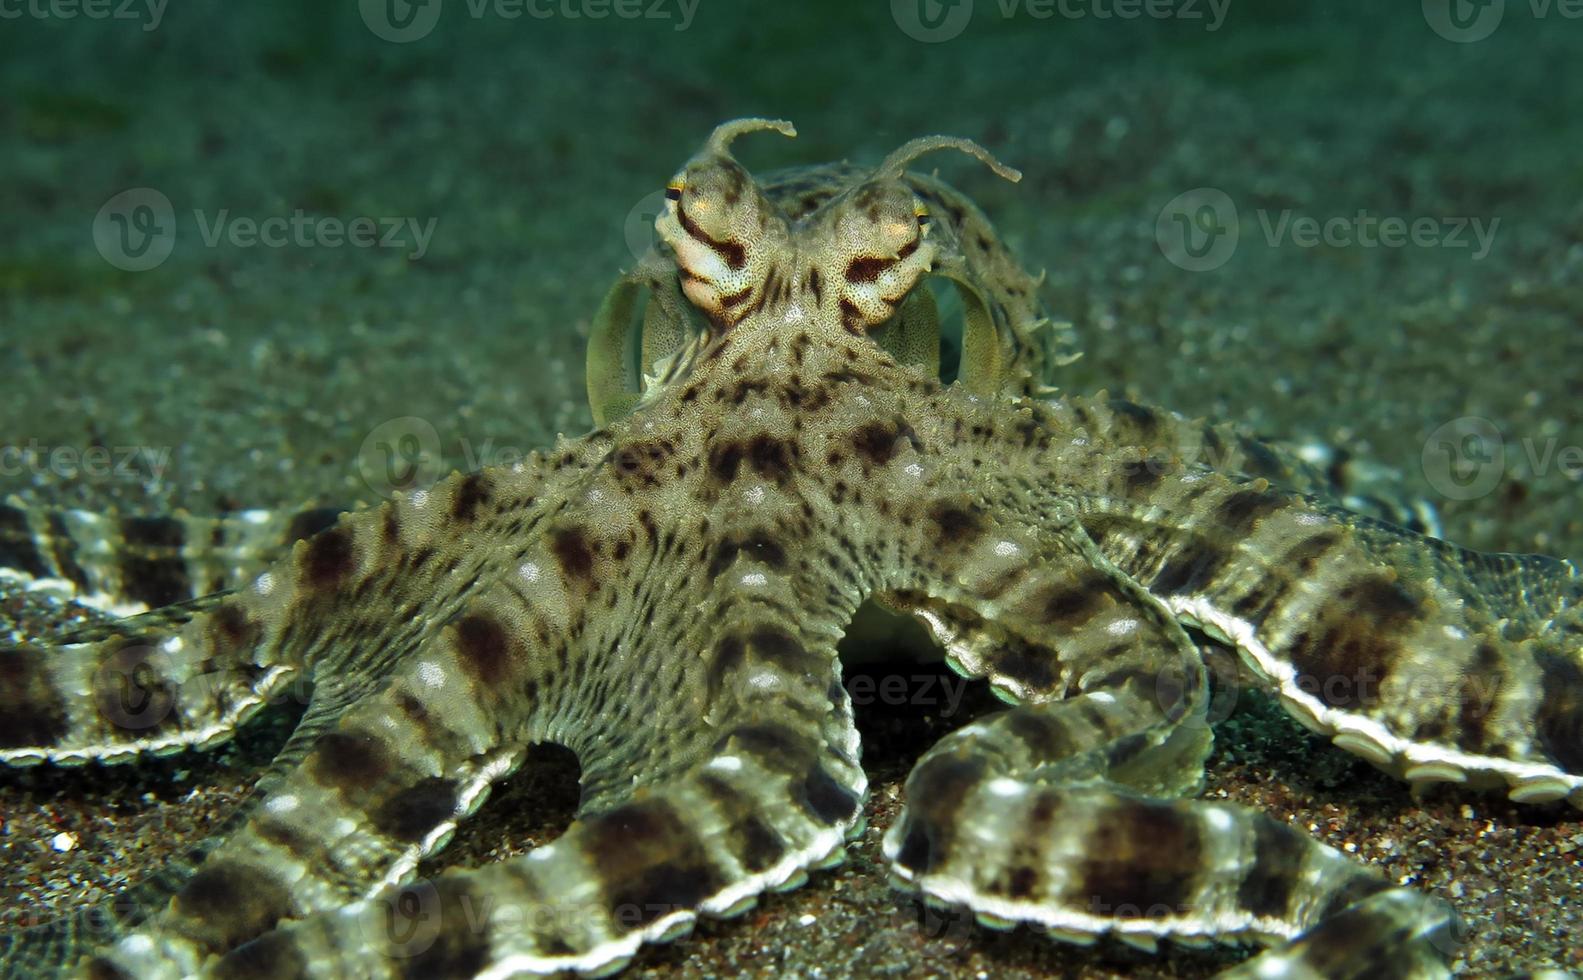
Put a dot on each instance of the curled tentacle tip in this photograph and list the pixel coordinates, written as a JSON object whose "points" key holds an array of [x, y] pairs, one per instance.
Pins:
{"points": [[897, 162], [720, 140]]}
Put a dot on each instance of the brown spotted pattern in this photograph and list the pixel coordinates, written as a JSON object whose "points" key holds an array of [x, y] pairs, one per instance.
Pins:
{"points": [[664, 596]]}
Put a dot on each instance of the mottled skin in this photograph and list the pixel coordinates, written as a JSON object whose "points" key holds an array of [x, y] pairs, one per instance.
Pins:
{"points": [[664, 597]]}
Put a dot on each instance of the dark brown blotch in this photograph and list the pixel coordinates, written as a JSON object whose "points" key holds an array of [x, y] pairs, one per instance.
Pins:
{"points": [[1144, 422], [958, 524], [1278, 857], [18, 549], [574, 553], [231, 630], [1354, 641], [306, 523], [754, 842], [825, 799], [936, 792], [439, 932], [1559, 721], [759, 546], [130, 692], [349, 761], [228, 903], [329, 558], [1240, 512], [472, 493], [865, 268], [152, 569], [650, 862], [1068, 605], [771, 458], [484, 648], [1140, 477], [877, 443], [412, 813], [1144, 858], [272, 956], [31, 711], [1191, 570]]}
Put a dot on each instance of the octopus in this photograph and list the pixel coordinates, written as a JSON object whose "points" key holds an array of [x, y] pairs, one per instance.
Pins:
{"points": [[791, 439]]}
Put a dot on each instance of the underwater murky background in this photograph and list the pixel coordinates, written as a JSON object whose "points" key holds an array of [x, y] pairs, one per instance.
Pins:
{"points": [[1351, 222]]}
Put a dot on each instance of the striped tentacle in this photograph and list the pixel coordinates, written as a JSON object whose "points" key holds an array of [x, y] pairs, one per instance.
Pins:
{"points": [[125, 565], [382, 789], [1173, 441], [186, 676], [1059, 812], [1435, 663], [702, 820]]}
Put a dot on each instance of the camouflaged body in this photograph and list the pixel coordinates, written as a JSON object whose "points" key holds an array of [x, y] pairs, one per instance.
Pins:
{"points": [[664, 597]]}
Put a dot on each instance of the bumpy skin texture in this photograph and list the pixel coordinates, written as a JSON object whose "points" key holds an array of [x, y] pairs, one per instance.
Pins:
{"points": [[664, 597]]}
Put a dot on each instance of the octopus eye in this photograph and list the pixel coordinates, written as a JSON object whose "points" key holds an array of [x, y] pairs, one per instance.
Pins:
{"points": [[673, 191], [922, 214]]}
